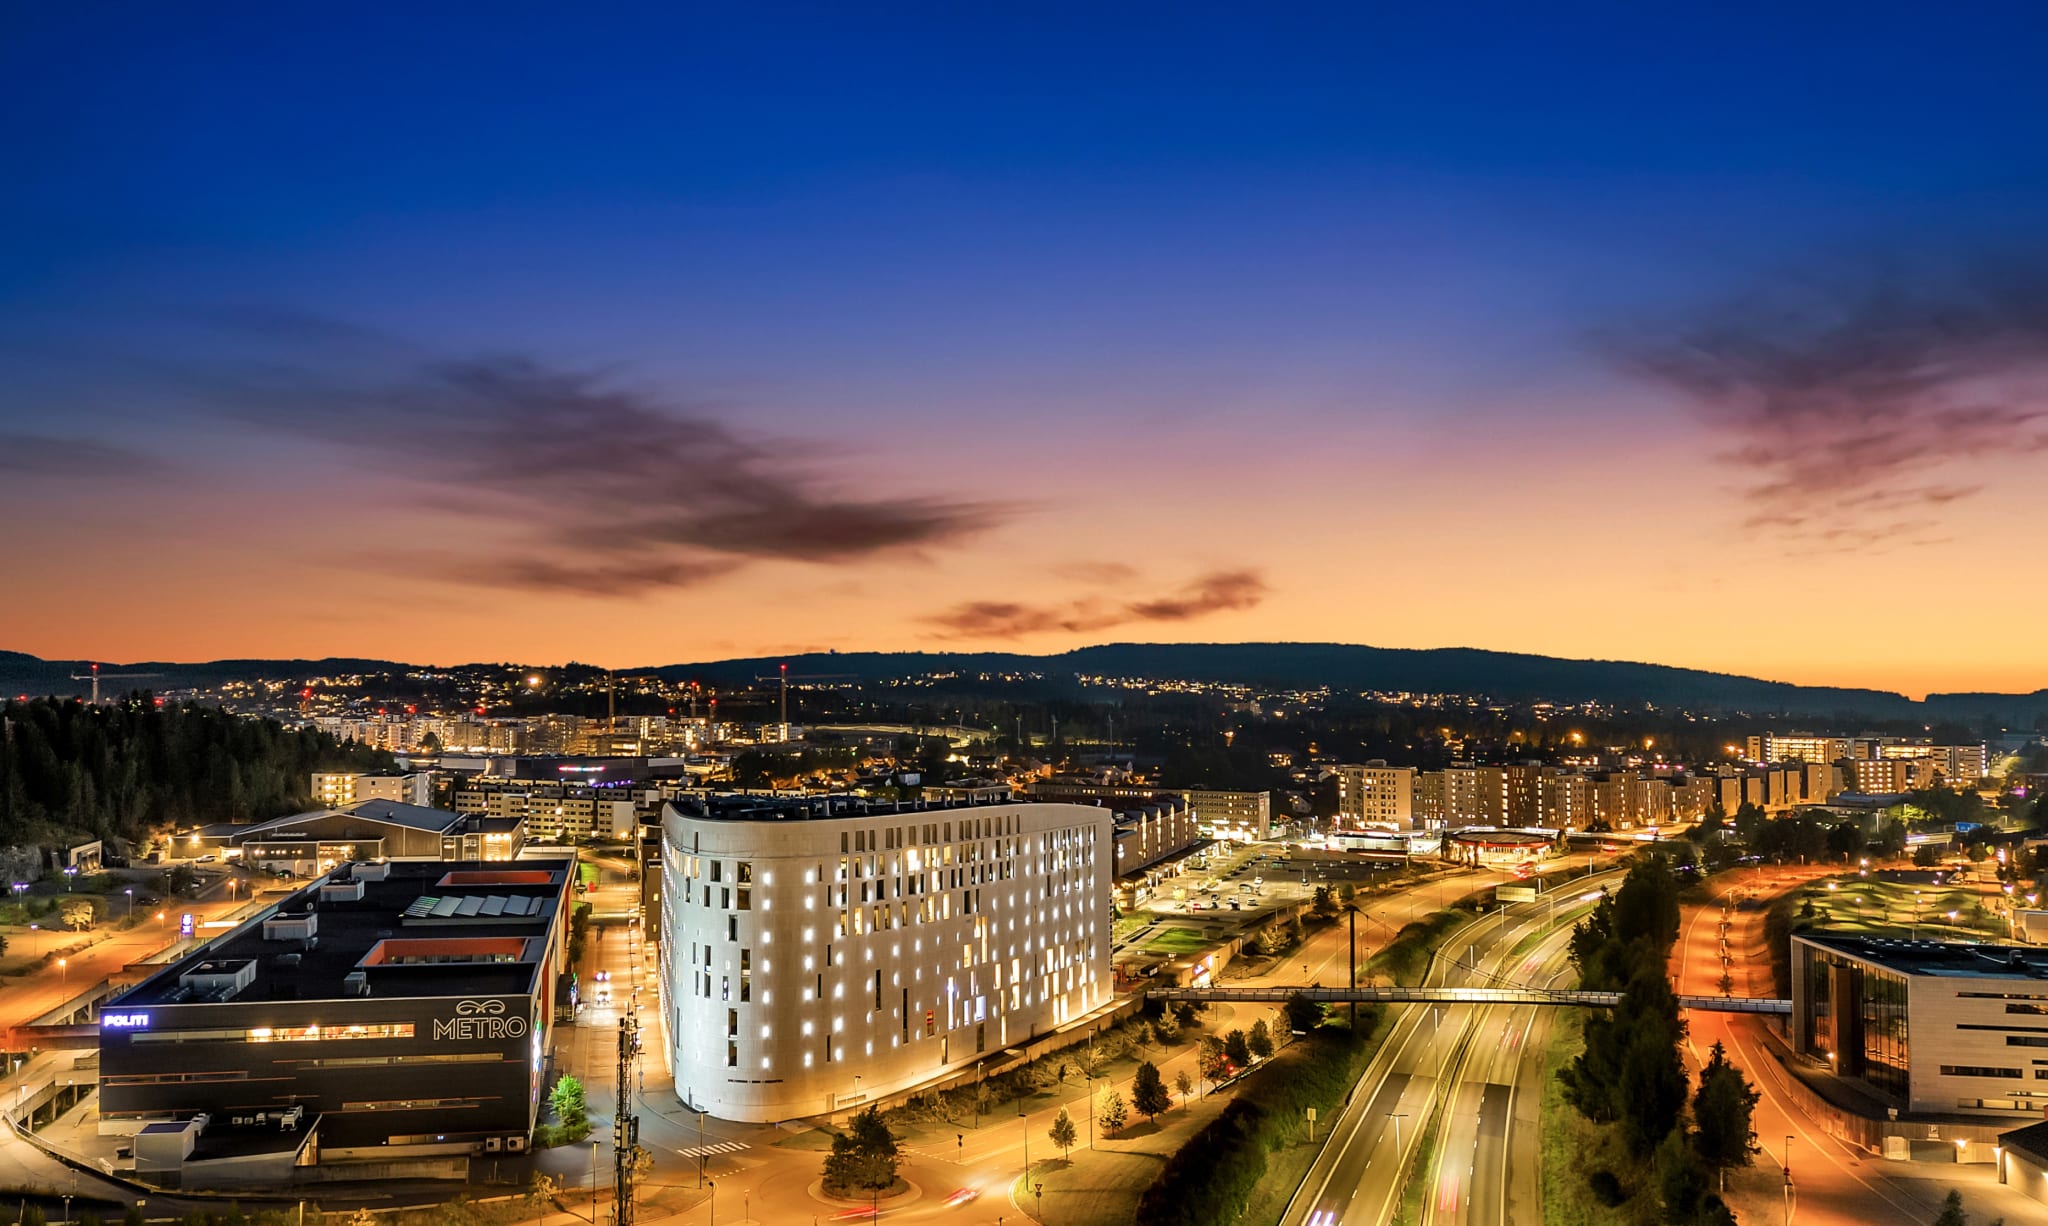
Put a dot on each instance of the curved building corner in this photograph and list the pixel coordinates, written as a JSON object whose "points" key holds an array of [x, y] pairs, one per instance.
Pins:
{"points": [[820, 952]]}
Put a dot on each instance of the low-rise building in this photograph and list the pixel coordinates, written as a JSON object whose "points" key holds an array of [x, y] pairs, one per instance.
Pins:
{"points": [[387, 1011], [1926, 1026]]}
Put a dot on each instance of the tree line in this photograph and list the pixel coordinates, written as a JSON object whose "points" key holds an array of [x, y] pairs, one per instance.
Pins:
{"points": [[123, 768], [1631, 1076]]}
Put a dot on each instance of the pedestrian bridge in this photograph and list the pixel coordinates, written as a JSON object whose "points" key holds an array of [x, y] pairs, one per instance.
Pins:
{"points": [[1466, 996]]}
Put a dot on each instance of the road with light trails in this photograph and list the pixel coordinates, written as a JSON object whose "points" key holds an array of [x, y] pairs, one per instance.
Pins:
{"points": [[1357, 1177], [1490, 1133]]}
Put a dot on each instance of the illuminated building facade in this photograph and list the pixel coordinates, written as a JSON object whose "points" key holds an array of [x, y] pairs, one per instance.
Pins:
{"points": [[820, 952]]}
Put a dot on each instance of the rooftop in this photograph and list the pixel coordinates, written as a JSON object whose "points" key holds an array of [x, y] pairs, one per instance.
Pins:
{"points": [[833, 806], [419, 928], [387, 812], [1955, 959]]}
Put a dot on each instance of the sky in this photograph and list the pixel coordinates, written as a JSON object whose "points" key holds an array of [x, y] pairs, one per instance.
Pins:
{"points": [[676, 332]]}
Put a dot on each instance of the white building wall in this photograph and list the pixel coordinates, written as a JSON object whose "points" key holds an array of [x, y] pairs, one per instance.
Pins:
{"points": [[808, 965]]}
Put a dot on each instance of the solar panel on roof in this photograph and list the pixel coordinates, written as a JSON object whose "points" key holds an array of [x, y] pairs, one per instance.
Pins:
{"points": [[470, 906], [443, 908], [494, 906], [421, 906]]}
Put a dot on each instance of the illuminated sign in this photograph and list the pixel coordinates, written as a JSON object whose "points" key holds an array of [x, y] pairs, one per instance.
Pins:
{"points": [[480, 1019], [124, 1021], [185, 924]]}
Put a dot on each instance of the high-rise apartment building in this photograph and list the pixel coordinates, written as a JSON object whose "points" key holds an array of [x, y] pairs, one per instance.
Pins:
{"points": [[1376, 794]]}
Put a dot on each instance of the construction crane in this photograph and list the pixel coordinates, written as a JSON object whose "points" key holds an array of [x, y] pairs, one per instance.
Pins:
{"points": [[782, 675], [95, 675]]}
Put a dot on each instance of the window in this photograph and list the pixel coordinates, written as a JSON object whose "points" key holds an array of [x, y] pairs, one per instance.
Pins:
{"points": [[1978, 1070], [732, 1055], [2026, 1040]]}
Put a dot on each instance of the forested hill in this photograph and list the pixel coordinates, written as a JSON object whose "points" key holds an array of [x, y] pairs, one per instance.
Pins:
{"points": [[120, 768]]}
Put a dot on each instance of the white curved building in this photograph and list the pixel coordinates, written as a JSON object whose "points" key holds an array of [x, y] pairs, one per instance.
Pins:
{"points": [[818, 952]]}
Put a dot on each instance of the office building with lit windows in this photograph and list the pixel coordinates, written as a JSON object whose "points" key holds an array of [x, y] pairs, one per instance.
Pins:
{"points": [[1927, 1026], [819, 952]]}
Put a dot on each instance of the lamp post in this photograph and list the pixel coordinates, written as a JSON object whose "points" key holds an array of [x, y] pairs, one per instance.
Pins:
{"points": [[131, 903], [1026, 1121], [593, 1183], [711, 1203]]}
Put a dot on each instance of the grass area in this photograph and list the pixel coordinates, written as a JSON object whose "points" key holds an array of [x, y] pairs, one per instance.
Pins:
{"points": [[1415, 1182], [1176, 940], [1859, 904], [1406, 958], [1125, 925], [1288, 1166], [1573, 1148]]}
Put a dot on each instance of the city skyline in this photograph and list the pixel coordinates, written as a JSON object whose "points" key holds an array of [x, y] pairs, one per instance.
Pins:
{"points": [[702, 336]]}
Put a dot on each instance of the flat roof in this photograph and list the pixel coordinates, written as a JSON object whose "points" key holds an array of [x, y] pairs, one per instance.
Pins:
{"points": [[831, 807], [1953, 959], [424, 929]]}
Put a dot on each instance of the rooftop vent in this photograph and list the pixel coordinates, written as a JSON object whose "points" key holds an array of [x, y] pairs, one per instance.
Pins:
{"points": [[355, 983], [290, 927]]}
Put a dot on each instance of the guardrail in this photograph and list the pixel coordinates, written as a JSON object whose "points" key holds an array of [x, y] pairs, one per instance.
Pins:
{"points": [[1467, 996]]}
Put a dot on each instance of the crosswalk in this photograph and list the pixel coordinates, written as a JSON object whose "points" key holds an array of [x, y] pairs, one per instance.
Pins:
{"points": [[706, 1151]]}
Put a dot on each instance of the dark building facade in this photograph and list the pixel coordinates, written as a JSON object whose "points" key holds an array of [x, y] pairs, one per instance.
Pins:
{"points": [[390, 1009]]}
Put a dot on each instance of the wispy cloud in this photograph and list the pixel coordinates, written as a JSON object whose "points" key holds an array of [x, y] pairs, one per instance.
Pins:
{"points": [[600, 489], [1217, 592], [36, 455], [1862, 403]]}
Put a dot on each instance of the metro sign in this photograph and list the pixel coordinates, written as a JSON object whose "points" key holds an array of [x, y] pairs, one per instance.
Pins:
{"points": [[480, 1019]]}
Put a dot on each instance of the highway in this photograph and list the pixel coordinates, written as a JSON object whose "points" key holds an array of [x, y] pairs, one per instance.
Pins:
{"points": [[1476, 1050]]}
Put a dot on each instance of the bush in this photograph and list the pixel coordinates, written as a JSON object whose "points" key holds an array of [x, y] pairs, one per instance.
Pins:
{"points": [[1606, 1187], [1212, 1177]]}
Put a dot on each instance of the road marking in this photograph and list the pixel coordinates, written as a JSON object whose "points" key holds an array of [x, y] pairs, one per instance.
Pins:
{"points": [[705, 1151]]}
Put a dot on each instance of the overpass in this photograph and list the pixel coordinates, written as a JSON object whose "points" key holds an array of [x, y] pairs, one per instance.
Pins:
{"points": [[1466, 996]]}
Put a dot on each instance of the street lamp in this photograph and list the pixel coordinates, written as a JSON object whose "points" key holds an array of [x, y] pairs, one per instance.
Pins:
{"points": [[63, 972], [131, 903], [1025, 1120]]}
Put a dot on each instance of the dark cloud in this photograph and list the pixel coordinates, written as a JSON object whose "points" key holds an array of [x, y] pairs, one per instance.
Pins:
{"points": [[37, 455], [602, 489], [1217, 592], [1858, 403]]}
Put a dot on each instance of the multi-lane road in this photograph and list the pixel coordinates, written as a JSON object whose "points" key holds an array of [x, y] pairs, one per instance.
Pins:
{"points": [[1457, 1075]]}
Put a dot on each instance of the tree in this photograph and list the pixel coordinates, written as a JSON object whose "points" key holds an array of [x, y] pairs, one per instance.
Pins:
{"points": [[1926, 856], [1951, 1210], [1186, 1085], [1111, 1113], [79, 914], [567, 1099], [1166, 1026], [1148, 1092], [864, 1158], [1063, 1132], [1303, 1014], [1238, 1048], [543, 1189], [1721, 1111], [1213, 1061], [1325, 903], [1260, 1040]]}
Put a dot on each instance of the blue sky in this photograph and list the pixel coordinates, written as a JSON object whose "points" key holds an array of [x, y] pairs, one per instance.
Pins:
{"points": [[895, 244]]}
